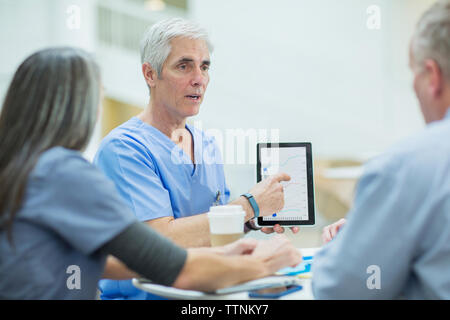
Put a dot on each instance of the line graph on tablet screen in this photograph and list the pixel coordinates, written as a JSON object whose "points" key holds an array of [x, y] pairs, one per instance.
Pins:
{"points": [[293, 162]]}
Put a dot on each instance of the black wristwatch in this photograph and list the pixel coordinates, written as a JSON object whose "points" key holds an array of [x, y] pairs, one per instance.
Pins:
{"points": [[250, 224]]}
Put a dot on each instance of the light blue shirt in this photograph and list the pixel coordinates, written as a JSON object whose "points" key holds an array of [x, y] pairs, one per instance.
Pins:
{"points": [[157, 179], [396, 242]]}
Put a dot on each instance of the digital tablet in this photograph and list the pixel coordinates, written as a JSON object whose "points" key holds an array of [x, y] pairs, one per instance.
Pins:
{"points": [[295, 159]]}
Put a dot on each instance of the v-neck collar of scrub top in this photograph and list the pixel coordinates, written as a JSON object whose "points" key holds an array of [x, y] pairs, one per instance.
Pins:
{"points": [[171, 144]]}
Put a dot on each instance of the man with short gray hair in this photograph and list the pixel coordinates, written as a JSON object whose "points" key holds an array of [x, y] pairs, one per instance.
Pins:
{"points": [[396, 242], [169, 172], [156, 43]]}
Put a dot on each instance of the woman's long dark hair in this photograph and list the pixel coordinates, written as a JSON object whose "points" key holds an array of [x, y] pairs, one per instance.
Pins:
{"points": [[52, 101]]}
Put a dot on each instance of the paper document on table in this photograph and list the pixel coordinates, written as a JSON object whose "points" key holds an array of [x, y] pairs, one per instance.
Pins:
{"points": [[263, 283], [303, 267]]}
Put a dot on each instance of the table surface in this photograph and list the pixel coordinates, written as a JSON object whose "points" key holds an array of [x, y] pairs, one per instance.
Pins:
{"points": [[174, 293]]}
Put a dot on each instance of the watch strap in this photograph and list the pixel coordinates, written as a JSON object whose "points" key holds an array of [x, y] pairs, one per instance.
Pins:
{"points": [[253, 203]]}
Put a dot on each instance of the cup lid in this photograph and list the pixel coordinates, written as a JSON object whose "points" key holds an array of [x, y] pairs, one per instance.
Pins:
{"points": [[226, 210]]}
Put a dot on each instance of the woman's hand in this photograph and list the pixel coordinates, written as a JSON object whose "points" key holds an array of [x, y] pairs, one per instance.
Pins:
{"points": [[277, 252], [239, 247]]}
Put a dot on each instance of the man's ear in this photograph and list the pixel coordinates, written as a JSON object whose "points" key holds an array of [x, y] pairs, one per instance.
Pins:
{"points": [[435, 77], [149, 73]]}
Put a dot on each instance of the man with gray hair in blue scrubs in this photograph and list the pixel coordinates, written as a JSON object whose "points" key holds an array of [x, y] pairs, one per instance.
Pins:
{"points": [[168, 172], [396, 242]]}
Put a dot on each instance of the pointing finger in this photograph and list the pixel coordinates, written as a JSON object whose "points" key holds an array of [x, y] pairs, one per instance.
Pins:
{"points": [[282, 177]]}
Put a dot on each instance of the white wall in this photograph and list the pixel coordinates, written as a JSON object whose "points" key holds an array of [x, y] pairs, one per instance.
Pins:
{"points": [[24, 27], [30, 25]]}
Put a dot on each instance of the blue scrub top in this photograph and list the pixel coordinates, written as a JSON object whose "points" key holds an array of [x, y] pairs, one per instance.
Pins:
{"points": [[156, 178], [70, 211]]}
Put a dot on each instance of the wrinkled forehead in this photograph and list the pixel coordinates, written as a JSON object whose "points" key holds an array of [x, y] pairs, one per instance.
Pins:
{"points": [[188, 48]]}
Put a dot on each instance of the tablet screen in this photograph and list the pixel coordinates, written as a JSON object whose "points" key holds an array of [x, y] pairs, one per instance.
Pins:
{"points": [[294, 159]]}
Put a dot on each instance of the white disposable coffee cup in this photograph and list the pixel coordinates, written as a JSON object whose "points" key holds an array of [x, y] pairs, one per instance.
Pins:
{"points": [[226, 224]]}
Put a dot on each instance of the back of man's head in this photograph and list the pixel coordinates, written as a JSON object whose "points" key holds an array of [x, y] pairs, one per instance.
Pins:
{"points": [[155, 45], [431, 39]]}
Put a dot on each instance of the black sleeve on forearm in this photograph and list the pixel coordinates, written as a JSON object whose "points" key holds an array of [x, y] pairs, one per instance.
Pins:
{"points": [[145, 251]]}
